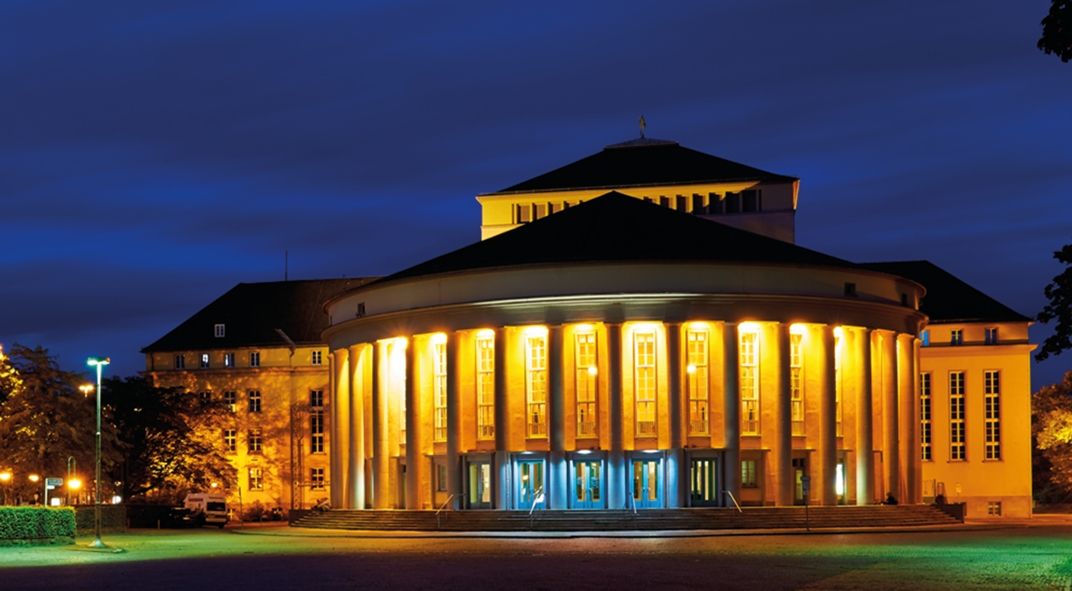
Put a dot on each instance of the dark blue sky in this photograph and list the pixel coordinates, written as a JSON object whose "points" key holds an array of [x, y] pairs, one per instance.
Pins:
{"points": [[152, 156]]}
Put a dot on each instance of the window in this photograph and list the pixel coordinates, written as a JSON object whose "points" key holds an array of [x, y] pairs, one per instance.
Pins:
{"points": [[230, 398], [993, 508], [796, 383], [256, 478], [255, 441], [255, 359], [441, 478], [317, 358], [524, 214], [750, 201], [698, 204], [749, 383], [644, 384], [680, 203], [850, 289], [536, 384], [219, 331], [925, 336], [697, 380], [664, 201], [316, 432], [956, 416], [180, 362], [206, 396], [585, 372], [485, 387], [541, 211], [230, 440], [714, 203], [254, 401], [228, 359], [748, 474], [956, 336], [316, 478], [316, 399], [439, 391], [204, 360], [925, 451], [992, 414], [733, 202], [990, 336]]}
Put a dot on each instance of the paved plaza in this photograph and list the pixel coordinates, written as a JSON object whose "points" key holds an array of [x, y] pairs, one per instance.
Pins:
{"points": [[1015, 557]]}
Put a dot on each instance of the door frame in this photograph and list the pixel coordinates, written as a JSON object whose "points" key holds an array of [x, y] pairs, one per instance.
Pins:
{"points": [[659, 457], [576, 458]]}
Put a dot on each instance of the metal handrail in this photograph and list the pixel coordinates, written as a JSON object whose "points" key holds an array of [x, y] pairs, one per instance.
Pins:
{"points": [[441, 508], [734, 499], [536, 498], [632, 501]]}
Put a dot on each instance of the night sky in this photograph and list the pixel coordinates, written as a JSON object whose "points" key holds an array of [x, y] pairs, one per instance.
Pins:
{"points": [[152, 155]]}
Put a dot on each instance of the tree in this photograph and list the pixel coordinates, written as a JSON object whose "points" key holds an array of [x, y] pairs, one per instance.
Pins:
{"points": [[171, 440], [1057, 30], [1059, 308], [1051, 427]]}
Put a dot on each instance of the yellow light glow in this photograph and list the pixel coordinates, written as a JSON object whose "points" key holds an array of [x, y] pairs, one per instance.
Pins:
{"points": [[748, 327], [5, 476], [74, 484], [214, 485], [485, 333], [86, 389], [699, 325], [535, 331], [34, 478], [690, 368], [439, 338], [584, 327], [592, 370], [839, 332], [644, 326], [798, 328]]}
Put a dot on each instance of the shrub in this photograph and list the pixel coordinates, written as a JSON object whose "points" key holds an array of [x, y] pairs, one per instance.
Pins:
{"points": [[36, 525]]}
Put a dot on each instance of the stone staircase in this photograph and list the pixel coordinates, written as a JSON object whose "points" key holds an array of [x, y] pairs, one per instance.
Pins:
{"points": [[644, 520]]}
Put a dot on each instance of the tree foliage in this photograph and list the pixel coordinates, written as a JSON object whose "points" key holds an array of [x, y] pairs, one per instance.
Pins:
{"points": [[1059, 308], [1051, 426], [170, 439], [1057, 30]]}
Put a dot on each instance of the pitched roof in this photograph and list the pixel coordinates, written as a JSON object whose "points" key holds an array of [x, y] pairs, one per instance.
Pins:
{"points": [[643, 162], [948, 298], [251, 313], [617, 227]]}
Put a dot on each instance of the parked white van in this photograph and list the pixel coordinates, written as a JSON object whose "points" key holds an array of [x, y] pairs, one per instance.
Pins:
{"points": [[206, 509]]}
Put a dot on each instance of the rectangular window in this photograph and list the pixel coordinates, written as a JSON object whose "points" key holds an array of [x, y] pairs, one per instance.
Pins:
{"points": [[749, 383], [441, 478], [180, 362], [228, 359], [680, 203], [255, 359], [316, 478], [796, 383], [698, 204], [316, 432], [316, 399], [993, 508], [748, 474], [714, 203], [541, 211], [990, 336], [925, 451], [925, 337], [439, 392], [219, 331], [230, 398], [485, 387], [644, 385], [317, 358], [254, 401], [956, 416], [956, 336], [664, 201], [992, 414], [255, 441], [697, 380], [536, 385], [204, 361], [256, 478], [524, 213], [230, 440], [733, 202], [584, 383]]}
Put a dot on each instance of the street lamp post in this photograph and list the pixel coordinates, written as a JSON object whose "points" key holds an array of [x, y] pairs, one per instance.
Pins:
{"points": [[5, 480], [97, 543]]}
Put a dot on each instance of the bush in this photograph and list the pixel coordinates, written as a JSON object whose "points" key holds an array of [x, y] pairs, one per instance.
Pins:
{"points": [[254, 512], [36, 525]]}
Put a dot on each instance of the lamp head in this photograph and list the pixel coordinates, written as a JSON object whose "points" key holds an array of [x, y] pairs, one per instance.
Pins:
{"points": [[95, 361]]}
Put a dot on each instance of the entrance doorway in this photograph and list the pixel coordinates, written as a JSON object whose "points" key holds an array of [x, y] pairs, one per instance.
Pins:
{"points": [[703, 482], [530, 485], [647, 483], [800, 469], [478, 485], [587, 485]]}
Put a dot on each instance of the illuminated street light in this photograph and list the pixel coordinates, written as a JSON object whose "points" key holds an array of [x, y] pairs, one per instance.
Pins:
{"points": [[97, 542], [86, 389], [5, 479]]}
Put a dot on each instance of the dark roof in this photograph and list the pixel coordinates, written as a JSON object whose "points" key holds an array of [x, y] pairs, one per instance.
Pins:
{"points": [[644, 162], [251, 313], [948, 298], [617, 227]]}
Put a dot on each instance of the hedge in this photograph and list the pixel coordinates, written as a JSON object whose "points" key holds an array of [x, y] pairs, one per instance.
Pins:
{"points": [[27, 525]]}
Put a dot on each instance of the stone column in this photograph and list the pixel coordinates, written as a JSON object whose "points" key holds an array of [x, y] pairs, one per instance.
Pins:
{"points": [[915, 462], [617, 490], [453, 459], [677, 481], [414, 419], [782, 448], [503, 481], [827, 492], [865, 456], [359, 359], [905, 404], [340, 445], [890, 416], [731, 410], [557, 472], [381, 464]]}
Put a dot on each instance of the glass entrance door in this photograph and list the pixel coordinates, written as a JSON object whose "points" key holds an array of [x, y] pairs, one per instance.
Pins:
{"points": [[587, 485], [530, 492], [647, 484], [703, 482], [800, 468], [479, 486]]}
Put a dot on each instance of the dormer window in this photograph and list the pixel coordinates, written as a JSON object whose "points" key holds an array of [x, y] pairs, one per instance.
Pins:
{"points": [[956, 336], [219, 331], [850, 289], [990, 337]]}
